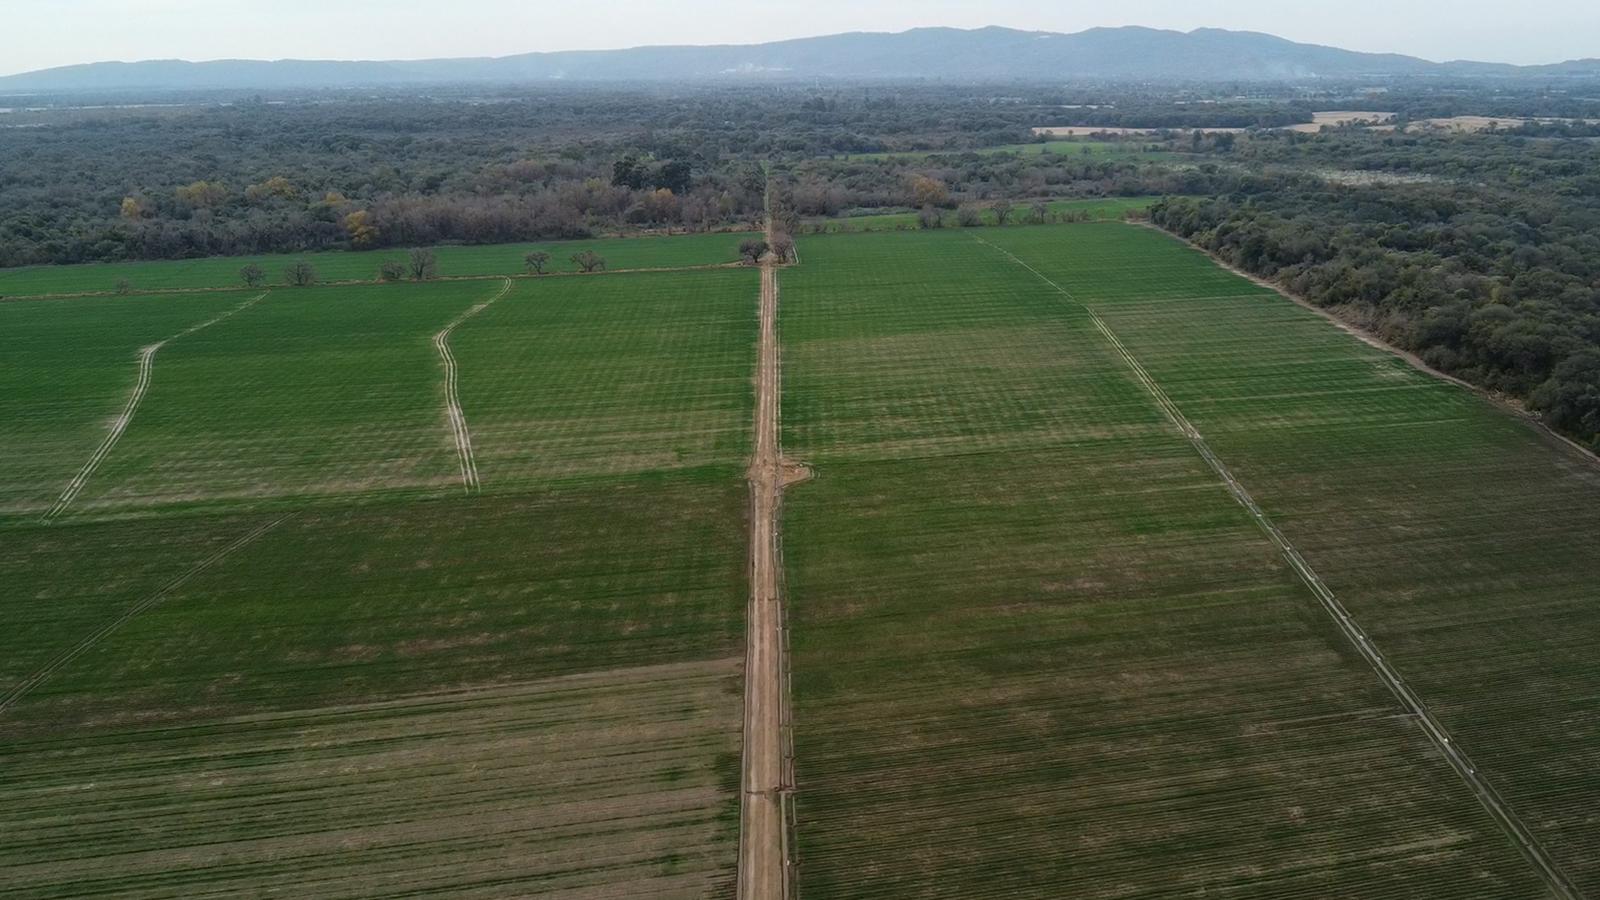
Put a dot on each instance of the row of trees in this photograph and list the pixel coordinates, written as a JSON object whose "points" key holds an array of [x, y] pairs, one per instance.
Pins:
{"points": [[421, 264]]}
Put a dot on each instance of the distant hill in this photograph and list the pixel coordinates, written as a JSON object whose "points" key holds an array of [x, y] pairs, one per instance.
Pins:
{"points": [[1206, 54]]}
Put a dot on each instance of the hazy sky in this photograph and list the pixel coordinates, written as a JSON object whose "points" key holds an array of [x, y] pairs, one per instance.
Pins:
{"points": [[39, 33]]}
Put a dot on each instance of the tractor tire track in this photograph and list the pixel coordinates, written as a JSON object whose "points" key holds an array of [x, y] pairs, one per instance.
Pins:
{"points": [[1491, 801], [467, 461], [43, 674], [141, 385]]}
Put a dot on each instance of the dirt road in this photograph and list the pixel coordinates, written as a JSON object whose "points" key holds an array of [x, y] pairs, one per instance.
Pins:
{"points": [[763, 868]]}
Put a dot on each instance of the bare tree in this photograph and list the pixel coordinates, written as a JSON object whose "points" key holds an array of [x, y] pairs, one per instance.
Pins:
{"points": [[751, 250], [422, 264], [1040, 211], [252, 275], [969, 216], [782, 247], [929, 217], [536, 261], [589, 261], [300, 274], [1002, 211], [392, 270], [123, 286]]}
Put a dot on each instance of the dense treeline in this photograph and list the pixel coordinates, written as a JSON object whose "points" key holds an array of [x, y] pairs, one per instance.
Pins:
{"points": [[1498, 286], [239, 175]]}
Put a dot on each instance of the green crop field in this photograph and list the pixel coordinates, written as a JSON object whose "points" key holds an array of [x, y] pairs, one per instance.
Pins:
{"points": [[493, 259], [439, 588], [1096, 209], [274, 644], [1040, 651]]}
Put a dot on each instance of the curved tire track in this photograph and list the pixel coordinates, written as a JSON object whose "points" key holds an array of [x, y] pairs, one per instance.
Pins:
{"points": [[452, 403], [147, 357]]}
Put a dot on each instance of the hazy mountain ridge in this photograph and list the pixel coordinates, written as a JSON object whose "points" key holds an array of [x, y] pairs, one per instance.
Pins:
{"points": [[1130, 53]]}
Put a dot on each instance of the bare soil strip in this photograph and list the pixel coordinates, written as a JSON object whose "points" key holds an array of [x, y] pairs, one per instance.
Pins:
{"points": [[452, 408], [147, 357], [100, 634], [1488, 797], [763, 868]]}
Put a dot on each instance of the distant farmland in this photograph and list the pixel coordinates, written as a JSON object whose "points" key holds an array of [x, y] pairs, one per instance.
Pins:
{"points": [[441, 588]]}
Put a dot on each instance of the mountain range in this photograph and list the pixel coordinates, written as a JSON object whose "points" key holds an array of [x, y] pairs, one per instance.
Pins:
{"points": [[987, 54]]}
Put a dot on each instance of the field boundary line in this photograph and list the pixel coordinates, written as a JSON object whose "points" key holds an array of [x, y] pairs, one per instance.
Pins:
{"points": [[43, 674], [141, 385], [465, 458], [1497, 807]]}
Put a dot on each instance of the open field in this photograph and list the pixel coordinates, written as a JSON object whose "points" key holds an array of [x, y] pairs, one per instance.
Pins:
{"points": [[337, 265], [602, 785], [1096, 208], [1338, 118], [1075, 131], [441, 588], [1119, 149], [275, 645], [1040, 650]]}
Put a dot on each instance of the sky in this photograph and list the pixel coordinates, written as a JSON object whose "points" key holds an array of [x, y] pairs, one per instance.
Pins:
{"points": [[37, 34]]}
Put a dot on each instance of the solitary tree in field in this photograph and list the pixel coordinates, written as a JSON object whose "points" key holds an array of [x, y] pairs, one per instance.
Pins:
{"points": [[252, 275], [928, 217], [589, 261], [300, 274], [1002, 211], [536, 261], [751, 250], [1040, 211], [421, 264], [392, 270], [123, 287]]}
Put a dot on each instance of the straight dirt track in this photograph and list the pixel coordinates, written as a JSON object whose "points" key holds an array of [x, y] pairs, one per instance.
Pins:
{"points": [[763, 872], [1519, 832]]}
